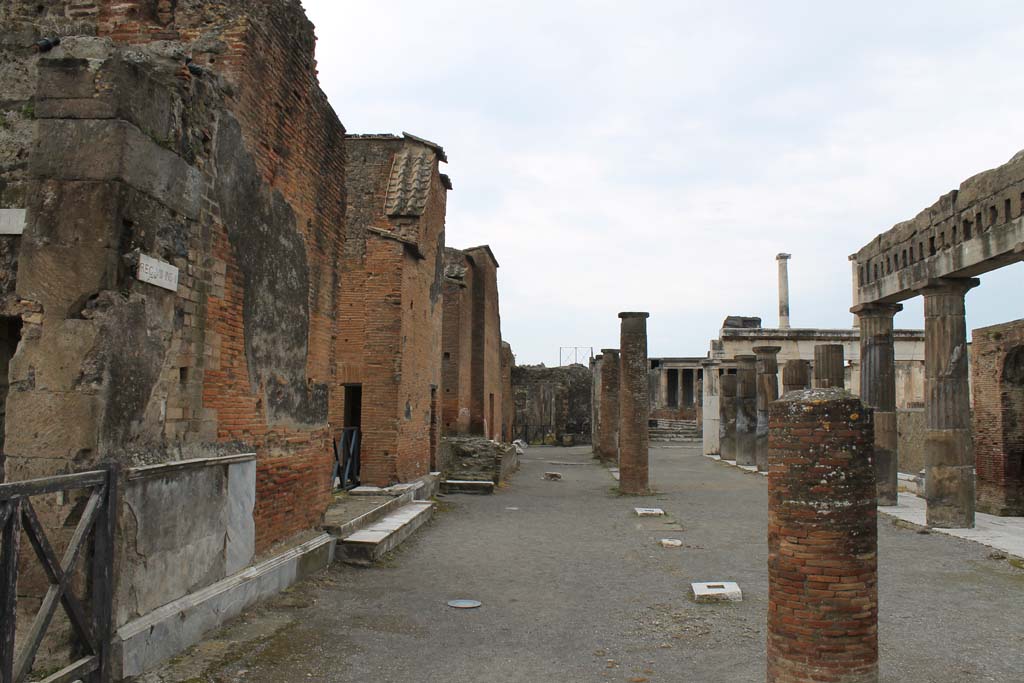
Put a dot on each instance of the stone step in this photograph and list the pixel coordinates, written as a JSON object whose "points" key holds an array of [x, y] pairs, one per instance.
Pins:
{"points": [[367, 545], [467, 486]]}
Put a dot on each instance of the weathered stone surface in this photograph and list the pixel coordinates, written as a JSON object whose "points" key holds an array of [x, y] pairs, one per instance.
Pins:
{"points": [[746, 410], [608, 443], [727, 410], [829, 372], [767, 391]]}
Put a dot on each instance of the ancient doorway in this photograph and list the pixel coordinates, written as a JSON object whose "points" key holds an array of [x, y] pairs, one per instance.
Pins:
{"points": [[10, 335], [353, 405], [673, 388], [433, 428], [490, 418]]}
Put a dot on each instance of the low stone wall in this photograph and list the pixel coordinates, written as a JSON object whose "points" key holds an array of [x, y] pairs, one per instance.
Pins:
{"points": [[911, 426], [183, 527], [477, 459]]}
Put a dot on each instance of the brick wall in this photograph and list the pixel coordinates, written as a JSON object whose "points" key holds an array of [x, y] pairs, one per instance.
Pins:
{"points": [[457, 343], [485, 394], [508, 409], [997, 376]]}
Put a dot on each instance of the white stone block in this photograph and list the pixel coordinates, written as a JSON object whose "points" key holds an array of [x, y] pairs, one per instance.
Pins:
{"points": [[670, 543], [717, 591], [649, 512]]}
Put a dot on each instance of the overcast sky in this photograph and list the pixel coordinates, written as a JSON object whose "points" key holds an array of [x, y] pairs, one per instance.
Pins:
{"points": [[656, 156]]}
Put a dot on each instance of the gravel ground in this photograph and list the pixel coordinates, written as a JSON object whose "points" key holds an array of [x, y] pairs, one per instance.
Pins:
{"points": [[575, 588]]}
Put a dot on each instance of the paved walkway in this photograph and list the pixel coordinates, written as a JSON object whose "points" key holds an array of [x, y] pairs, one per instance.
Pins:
{"points": [[575, 588]]}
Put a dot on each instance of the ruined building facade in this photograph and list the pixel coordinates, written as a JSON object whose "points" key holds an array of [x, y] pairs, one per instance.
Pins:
{"points": [[204, 278], [553, 403]]}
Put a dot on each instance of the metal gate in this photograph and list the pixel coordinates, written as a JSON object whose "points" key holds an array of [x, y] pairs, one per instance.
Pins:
{"points": [[94, 538]]}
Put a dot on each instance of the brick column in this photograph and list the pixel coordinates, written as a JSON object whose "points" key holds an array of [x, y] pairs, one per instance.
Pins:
{"points": [[634, 404], [949, 453], [829, 372], [711, 427], [878, 390], [727, 416], [608, 437], [595, 404], [746, 410], [767, 392], [796, 375], [822, 540]]}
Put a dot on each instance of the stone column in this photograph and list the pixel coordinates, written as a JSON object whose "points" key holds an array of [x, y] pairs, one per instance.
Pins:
{"points": [[822, 540], [746, 410], [767, 392], [829, 372], [949, 452], [711, 428], [608, 436], [796, 375], [727, 415], [634, 405], [783, 260], [878, 390]]}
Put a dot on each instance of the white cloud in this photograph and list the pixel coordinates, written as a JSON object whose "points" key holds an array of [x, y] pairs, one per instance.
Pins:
{"points": [[657, 156]]}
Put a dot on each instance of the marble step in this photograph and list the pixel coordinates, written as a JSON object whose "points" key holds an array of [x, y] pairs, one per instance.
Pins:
{"points": [[368, 544]]}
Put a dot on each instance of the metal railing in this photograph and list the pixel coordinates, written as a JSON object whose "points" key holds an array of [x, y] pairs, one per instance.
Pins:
{"points": [[96, 527], [346, 459]]}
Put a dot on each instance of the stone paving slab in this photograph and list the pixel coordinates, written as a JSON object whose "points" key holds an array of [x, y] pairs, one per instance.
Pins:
{"points": [[1002, 533]]}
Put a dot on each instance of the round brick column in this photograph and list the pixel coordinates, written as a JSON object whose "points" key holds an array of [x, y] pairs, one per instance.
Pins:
{"points": [[727, 414], [796, 375], [634, 404], [746, 410], [829, 372], [822, 540], [608, 436]]}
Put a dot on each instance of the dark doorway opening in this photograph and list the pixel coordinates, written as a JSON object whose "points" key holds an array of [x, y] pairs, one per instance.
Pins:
{"points": [[353, 405], [490, 414], [10, 335], [687, 388], [347, 448], [433, 428], [673, 388]]}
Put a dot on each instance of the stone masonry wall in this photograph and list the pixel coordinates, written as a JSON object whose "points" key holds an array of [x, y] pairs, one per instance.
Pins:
{"points": [[997, 373], [555, 399]]}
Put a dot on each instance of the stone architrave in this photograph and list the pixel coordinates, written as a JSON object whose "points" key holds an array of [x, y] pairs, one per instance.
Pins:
{"points": [[829, 372], [711, 427], [796, 375], [608, 424], [746, 410], [767, 392], [822, 540], [634, 404], [949, 453], [878, 390]]}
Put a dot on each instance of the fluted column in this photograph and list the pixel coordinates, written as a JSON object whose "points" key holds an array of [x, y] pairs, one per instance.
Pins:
{"points": [[878, 390], [746, 410], [634, 404], [767, 391], [796, 375], [949, 452], [829, 372], [711, 427], [727, 416]]}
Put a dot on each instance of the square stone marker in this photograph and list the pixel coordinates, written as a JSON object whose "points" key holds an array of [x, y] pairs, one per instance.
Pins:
{"points": [[717, 591], [649, 512], [671, 543]]}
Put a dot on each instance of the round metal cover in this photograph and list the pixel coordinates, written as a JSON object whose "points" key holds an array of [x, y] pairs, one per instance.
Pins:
{"points": [[464, 604]]}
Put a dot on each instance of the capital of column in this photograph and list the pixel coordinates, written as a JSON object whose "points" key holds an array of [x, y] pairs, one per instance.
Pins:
{"points": [[876, 310], [783, 257], [766, 350], [710, 362], [746, 359], [634, 314], [948, 286]]}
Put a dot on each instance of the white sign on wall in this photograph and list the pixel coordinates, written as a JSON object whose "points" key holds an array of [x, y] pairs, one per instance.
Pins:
{"points": [[12, 221], [158, 273]]}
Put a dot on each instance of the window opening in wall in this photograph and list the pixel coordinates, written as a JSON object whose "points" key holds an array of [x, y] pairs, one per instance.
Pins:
{"points": [[1006, 211], [955, 234], [942, 240], [876, 271], [888, 265], [967, 230], [931, 246], [977, 222], [10, 335], [993, 215], [904, 258], [490, 413], [673, 388], [920, 251]]}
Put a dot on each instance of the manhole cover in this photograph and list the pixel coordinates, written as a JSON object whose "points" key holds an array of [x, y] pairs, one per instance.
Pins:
{"points": [[464, 604]]}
